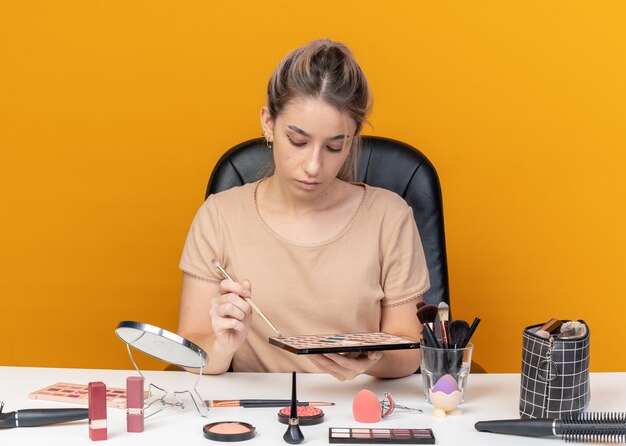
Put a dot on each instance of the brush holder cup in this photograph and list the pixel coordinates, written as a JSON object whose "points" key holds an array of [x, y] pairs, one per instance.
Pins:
{"points": [[444, 373]]}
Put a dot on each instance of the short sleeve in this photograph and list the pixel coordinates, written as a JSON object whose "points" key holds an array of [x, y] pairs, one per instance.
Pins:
{"points": [[404, 270], [203, 243]]}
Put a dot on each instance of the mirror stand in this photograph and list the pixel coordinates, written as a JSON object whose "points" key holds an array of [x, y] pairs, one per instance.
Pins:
{"points": [[170, 348]]}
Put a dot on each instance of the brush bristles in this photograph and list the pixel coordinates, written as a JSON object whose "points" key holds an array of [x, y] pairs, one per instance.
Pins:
{"points": [[594, 438], [444, 311], [427, 314], [458, 332], [594, 427]]}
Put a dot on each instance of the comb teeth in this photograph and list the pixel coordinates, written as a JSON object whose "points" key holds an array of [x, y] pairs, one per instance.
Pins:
{"points": [[596, 427], [594, 438]]}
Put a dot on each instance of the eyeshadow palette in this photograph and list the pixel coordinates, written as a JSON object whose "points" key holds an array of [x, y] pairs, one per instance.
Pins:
{"points": [[77, 393], [342, 343], [380, 435]]}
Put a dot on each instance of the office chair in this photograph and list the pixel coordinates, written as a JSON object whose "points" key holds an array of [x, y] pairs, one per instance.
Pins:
{"points": [[384, 163]]}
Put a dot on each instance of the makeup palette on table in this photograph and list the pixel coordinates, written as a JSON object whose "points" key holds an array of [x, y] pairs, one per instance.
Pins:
{"points": [[380, 435], [77, 393], [343, 343]]}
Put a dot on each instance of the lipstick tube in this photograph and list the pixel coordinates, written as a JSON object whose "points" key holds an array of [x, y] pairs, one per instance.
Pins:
{"points": [[97, 393], [134, 404]]}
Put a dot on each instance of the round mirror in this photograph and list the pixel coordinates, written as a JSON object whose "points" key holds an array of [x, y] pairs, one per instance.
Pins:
{"points": [[161, 344]]}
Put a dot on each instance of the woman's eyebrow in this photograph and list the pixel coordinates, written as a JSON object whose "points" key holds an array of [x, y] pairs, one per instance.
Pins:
{"points": [[303, 133]]}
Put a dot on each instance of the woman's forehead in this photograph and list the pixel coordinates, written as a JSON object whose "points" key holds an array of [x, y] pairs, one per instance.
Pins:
{"points": [[316, 117]]}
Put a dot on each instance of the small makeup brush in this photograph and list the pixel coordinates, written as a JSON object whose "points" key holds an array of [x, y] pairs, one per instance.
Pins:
{"points": [[217, 265], [458, 332], [470, 333], [427, 314], [293, 435], [444, 314]]}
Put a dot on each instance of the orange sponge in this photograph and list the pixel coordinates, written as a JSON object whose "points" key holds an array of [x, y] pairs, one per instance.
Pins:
{"points": [[366, 407]]}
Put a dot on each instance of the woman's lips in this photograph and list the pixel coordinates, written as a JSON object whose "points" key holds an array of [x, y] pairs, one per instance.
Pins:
{"points": [[307, 185]]}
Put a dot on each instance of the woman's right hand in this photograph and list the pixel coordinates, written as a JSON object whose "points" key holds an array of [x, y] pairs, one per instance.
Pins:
{"points": [[231, 315]]}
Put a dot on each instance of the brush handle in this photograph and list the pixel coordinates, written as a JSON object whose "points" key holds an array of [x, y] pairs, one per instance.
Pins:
{"points": [[539, 427], [443, 328], [471, 332], [41, 417], [247, 299], [429, 337], [261, 315]]}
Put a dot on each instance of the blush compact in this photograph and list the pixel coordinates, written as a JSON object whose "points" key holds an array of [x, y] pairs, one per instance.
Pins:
{"points": [[228, 431], [308, 415]]}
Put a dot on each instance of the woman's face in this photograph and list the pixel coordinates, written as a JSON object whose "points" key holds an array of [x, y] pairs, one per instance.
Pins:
{"points": [[311, 141]]}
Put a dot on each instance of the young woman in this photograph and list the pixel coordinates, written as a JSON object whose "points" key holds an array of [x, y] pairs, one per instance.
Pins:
{"points": [[316, 252]]}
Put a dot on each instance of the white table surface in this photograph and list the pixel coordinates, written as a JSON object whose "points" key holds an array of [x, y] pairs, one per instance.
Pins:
{"points": [[489, 396]]}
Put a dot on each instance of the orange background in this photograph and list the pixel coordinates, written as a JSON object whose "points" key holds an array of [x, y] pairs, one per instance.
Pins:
{"points": [[113, 113]]}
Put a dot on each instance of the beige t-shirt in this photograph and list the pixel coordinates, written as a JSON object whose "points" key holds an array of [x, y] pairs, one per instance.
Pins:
{"points": [[337, 286]]}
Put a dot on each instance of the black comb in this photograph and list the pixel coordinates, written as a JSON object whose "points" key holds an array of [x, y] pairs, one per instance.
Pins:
{"points": [[597, 427]]}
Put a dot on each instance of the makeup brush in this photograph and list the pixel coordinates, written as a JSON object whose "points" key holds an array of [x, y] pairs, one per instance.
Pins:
{"points": [[217, 265], [427, 315], [420, 304], [430, 340], [458, 332], [471, 332], [444, 314], [293, 435], [596, 427]]}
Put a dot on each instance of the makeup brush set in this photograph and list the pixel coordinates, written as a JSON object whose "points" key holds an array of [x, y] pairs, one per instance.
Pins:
{"points": [[455, 334]]}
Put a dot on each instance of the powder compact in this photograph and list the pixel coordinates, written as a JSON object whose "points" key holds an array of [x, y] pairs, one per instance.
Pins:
{"points": [[308, 415], [229, 431]]}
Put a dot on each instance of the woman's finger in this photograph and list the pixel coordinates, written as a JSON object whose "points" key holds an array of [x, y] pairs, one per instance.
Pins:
{"points": [[231, 324], [361, 363], [328, 366], [228, 286]]}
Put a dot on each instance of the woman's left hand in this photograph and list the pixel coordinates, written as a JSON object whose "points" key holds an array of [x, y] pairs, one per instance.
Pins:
{"points": [[345, 367]]}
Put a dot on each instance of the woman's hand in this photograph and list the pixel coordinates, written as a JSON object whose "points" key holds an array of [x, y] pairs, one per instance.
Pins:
{"points": [[231, 316], [345, 367]]}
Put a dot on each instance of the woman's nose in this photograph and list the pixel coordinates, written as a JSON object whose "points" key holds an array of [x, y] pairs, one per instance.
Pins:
{"points": [[313, 163]]}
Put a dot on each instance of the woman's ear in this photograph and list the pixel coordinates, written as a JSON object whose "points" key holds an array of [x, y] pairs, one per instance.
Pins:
{"points": [[267, 123]]}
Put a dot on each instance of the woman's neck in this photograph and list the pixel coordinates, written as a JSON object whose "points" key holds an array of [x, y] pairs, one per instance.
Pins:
{"points": [[277, 198]]}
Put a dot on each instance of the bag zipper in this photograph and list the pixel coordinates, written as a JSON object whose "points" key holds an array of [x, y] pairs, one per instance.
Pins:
{"points": [[548, 377]]}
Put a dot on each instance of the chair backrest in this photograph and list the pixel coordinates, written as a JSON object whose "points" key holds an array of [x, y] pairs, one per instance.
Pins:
{"points": [[384, 163]]}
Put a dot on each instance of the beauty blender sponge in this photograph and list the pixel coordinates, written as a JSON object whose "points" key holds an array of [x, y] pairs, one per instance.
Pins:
{"points": [[366, 407], [446, 384]]}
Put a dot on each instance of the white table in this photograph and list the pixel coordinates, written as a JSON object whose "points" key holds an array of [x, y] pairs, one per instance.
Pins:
{"points": [[489, 396]]}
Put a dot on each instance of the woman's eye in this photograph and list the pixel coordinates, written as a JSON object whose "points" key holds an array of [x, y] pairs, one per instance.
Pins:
{"points": [[297, 144], [335, 149]]}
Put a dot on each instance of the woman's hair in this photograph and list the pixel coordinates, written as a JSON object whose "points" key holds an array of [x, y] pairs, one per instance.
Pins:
{"points": [[324, 70]]}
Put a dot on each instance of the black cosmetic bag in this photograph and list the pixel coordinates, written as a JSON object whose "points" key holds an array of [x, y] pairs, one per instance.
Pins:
{"points": [[555, 375]]}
